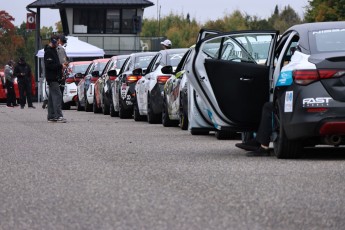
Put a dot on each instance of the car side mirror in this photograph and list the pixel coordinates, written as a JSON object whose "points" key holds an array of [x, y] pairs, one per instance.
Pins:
{"points": [[95, 73], [167, 69], [138, 71], [112, 73]]}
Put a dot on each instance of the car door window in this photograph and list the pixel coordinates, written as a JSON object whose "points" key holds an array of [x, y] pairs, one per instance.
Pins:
{"points": [[253, 48]]}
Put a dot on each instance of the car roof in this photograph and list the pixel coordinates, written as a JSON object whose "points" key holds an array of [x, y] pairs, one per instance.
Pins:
{"points": [[174, 51], [304, 29]]}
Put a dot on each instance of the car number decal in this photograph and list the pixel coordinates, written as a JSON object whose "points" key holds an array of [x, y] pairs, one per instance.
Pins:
{"points": [[124, 90], [288, 102]]}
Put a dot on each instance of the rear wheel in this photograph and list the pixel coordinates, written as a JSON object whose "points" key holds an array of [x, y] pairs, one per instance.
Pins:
{"points": [[165, 116], [283, 147]]}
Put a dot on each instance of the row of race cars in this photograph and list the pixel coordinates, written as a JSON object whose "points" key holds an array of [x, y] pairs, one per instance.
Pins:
{"points": [[222, 83]]}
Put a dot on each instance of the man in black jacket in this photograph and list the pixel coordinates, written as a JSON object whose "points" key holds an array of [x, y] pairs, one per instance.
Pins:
{"points": [[53, 71], [23, 73]]}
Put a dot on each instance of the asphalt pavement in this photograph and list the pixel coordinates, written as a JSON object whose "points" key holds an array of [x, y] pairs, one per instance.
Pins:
{"points": [[99, 172]]}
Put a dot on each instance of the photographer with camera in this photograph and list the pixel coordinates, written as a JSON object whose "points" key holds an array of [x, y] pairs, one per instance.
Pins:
{"points": [[53, 70], [23, 73]]}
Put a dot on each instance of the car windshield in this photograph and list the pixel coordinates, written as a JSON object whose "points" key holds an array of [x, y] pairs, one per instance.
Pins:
{"points": [[330, 40], [174, 59], [142, 62]]}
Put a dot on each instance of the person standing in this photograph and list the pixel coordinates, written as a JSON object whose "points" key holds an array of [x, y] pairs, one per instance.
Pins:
{"points": [[62, 42], [23, 73], [9, 77], [53, 70]]}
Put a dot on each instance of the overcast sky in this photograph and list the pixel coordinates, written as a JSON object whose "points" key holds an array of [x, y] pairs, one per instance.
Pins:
{"points": [[201, 10]]}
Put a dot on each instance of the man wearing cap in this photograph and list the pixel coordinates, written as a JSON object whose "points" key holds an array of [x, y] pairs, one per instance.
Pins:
{"points": [[53, 70], [166, 44], [23, 73]]}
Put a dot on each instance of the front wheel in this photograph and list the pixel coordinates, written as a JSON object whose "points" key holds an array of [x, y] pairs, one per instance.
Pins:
{"points": [[112, 111], [165, 116], [136, 113], [105, 105], [283, 147]]}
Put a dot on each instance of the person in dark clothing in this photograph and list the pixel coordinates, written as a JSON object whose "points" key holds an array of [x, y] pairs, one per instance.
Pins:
{"points": [[9, 77], [23, 73], [53, 71], [259, 146]]}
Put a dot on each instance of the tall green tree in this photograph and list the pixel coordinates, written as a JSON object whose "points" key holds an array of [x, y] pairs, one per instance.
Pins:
{"points": [[325, 10]]}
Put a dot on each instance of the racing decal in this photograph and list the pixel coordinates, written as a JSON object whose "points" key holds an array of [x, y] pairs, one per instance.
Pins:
{"points": [[128, 97], [288, 108], [317, 102], [124, 90], [285, 78], [209, 113]]}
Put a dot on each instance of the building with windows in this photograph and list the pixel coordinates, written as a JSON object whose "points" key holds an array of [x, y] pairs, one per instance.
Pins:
{"points": [[113, 25]]}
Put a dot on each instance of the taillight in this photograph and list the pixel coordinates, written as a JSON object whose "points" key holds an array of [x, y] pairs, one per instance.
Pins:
{"points": [[132, 78], [69, 80], [112, 78], [94, 79], [162, 79], [305, 77]]}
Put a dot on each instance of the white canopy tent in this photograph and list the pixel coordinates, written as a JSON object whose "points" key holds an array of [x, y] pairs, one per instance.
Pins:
{"points": [[78, 48], [75, 49]]}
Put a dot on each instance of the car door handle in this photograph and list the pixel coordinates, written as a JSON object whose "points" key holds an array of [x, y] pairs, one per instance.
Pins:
{"points": [[246, 79]]}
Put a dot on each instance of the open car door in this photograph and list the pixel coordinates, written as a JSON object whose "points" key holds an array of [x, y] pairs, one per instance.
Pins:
{"points": [[231, 72]]}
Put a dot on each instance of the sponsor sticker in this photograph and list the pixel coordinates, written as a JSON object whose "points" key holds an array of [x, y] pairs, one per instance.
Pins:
{"points": [[285, 78], [288, 102]]}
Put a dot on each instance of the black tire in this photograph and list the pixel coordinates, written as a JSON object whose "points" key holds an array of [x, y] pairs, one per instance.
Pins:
{"points": [[66, 106], [94, 105], [183, 117], [225, 135], [88, 107], [151, 117], [123, 114], [199, 132], [283, 147], [79, 106], [112, 111], [165, 116], [136, 113], [105, 105]]}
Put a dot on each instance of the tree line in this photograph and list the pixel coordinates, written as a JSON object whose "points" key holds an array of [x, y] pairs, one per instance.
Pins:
{"points": [[180, 29]]}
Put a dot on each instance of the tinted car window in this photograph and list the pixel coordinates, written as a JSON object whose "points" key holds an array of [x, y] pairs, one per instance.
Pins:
{"points": [[330, 40], [174, 59], [142, 62]]}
